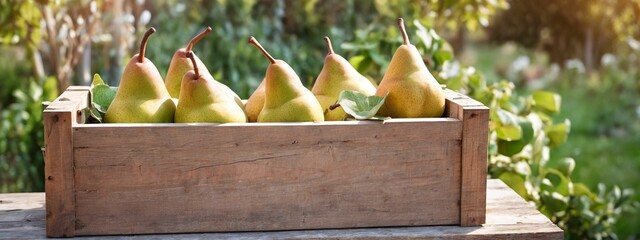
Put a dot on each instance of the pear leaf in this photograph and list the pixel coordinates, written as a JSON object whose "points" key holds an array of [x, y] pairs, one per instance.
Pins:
{"points": [[102, 94], [96, 113], [101, 97], [359, 105]]}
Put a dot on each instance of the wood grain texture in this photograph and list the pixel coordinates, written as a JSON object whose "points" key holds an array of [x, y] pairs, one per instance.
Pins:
{"points": [[22, 216], [508, 217], [166, 178], [59, 118], [474, 165], [461, 99], [475, 137], [162, 178], [59, 173]]}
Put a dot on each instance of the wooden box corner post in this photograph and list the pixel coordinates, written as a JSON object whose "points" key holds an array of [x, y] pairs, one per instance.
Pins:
{"points": [[59, 118], [475, 137]]}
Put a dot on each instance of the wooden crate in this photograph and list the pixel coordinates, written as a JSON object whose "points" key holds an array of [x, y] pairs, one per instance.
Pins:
{"points": [[104, 179]]}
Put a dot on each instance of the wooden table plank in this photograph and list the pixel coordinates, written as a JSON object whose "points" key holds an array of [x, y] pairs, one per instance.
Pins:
{"points": [[508, 216]]}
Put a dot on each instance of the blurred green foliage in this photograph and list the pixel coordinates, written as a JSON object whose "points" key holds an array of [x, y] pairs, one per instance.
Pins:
{"points": [[17, 19], [294, 31], [21, 129], [606, 131]]}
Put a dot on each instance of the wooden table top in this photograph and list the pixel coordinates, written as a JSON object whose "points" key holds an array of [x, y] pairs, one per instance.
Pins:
{"points": [[22, 216]]}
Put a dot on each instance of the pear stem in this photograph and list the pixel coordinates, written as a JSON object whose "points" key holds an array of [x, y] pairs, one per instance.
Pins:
{"points": [[255, 43], [334, 106], [192, 56], [329, 47], [405, 37], [197, 38], [143, 44]]}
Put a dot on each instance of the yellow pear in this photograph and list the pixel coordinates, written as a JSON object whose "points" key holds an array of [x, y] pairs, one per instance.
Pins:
{"points": [[180, 64], [255, 103], [413, 91], [141, 96], [337, 75], [286, 99], [203, 99]]}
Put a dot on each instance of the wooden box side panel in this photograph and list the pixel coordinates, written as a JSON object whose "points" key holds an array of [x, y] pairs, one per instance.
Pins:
{"points": [[202, 178], [475, 138], [58, 119]]}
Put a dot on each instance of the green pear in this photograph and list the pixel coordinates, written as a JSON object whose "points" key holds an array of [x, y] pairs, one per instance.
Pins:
{"points": [[203, 99], [255, 103], [180, 64], [141, 96], [413, 91], [286, 99], [337, 75]]}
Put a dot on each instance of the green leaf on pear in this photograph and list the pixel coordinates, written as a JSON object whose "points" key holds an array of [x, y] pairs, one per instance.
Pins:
{"points": [[359, 105], [102, 94], [96, 113], [101, 97]]}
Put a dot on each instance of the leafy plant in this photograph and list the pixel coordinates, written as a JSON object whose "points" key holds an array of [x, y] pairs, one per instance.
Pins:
{"points": [[21, 137], [522, 133]]}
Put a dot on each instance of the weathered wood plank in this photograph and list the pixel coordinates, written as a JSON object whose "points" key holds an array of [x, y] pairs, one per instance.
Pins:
{"points": [[19, 201], [475, 117], [474, 165], [22, 216], [260, 177], [508, 217], [59, 173], [461, 99], [59, 118]]}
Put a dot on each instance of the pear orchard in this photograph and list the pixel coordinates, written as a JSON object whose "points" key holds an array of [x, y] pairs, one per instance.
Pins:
{"points": [[190, 94]]}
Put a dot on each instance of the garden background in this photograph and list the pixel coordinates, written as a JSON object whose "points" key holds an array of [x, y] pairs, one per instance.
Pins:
{"points": [[561, 77]]}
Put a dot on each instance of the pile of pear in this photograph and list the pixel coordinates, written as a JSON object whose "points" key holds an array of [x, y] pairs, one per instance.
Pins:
{"points": [[190, 94]]}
